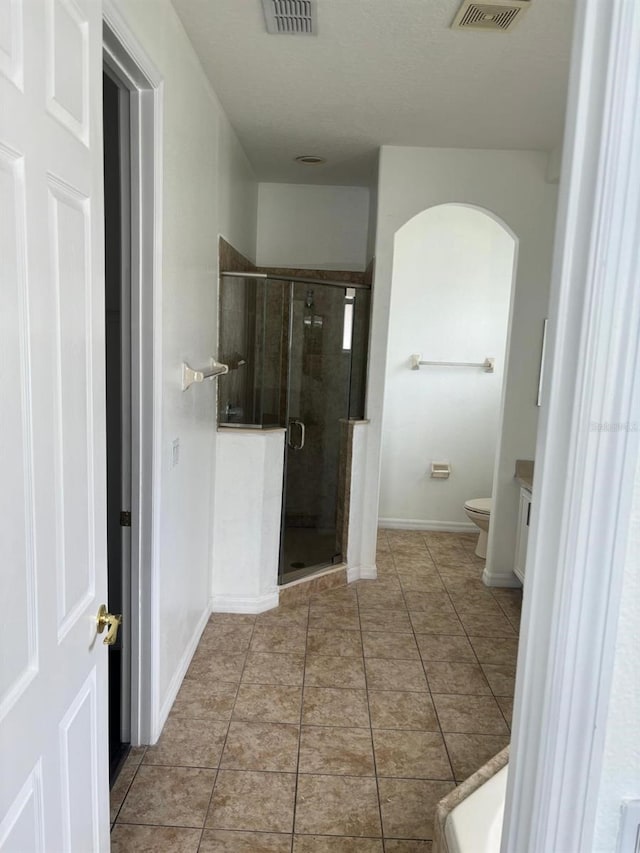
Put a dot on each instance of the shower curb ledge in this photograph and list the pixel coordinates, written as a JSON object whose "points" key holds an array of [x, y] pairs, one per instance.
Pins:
{"points": [[300, 591]]}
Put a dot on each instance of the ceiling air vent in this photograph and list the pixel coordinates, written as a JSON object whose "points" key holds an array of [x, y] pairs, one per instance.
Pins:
{"points": [[290, 17], [500, 15]]}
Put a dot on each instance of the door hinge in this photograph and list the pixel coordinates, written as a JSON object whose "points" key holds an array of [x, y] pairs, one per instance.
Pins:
{"points": [[125, 518]]}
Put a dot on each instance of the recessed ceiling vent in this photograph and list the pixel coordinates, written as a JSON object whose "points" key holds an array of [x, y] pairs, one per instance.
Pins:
{"points": [[310, 160], [290, 17], [500, 15]]}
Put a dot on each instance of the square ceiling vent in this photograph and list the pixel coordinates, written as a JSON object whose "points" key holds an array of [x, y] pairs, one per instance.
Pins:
{"points": [[290, 17], [501, 15]]}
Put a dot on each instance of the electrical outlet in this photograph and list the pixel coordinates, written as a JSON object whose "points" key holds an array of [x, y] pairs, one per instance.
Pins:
{"points": [[175, 452]]}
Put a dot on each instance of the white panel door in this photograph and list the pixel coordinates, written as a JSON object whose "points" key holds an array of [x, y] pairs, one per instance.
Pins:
{"points": [[53, 667]]}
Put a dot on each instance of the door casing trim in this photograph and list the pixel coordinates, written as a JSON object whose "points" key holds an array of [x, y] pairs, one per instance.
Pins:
{"points": [[587, 449], [125, 55]]}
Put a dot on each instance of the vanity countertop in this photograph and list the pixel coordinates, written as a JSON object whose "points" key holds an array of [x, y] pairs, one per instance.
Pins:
{"points": [[524, 473]]}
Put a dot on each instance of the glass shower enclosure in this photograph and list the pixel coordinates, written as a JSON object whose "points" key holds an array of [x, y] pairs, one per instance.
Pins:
{"points": [[297, 353]]}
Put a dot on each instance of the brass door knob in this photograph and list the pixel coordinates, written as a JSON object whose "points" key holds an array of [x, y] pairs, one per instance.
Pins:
{"points": [[111, 621]]}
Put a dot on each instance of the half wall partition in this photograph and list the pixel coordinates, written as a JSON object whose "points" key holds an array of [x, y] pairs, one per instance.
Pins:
{"points": [[297, 353]]}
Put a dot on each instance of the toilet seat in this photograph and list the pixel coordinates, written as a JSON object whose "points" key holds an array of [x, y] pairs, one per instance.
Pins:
{"points": [[482, 506]]}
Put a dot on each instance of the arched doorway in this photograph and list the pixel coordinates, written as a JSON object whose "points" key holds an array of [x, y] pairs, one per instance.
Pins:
{"points": [[452, 279]]}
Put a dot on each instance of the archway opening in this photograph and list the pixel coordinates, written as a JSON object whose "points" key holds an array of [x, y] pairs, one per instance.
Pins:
{"points": [[453, 272]]}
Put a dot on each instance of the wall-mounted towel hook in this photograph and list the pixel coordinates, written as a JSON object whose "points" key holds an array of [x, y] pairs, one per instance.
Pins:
{"points": [[189, 375]]}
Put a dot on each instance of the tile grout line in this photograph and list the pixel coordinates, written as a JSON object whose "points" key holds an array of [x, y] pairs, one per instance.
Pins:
{"points": [[468, 638], [480, 664], [433, 704], [188, 767], [117, 815], [215, 780], [450, 595], [162, 825], [446, 746], [466, 633], [375, 764], [304, 674], [428, 692], [373, 748], [475, 654]]}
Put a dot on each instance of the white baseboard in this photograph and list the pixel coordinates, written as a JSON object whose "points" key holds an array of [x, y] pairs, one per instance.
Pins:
{"points": [[365, 573], [508, 579], [420, 524], [179, 674], [368, 573], [244, 603]]}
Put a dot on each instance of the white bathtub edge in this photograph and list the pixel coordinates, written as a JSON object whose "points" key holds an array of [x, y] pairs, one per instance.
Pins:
{"points": [[475, 826]]}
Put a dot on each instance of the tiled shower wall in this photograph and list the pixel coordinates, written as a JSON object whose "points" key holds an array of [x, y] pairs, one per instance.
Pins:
{"points": [[236, 338], [319, 390], [245, 333], [319, 480]]}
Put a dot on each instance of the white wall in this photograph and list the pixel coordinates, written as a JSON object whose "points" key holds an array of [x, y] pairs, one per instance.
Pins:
{"points": [[620, 776], [208, 189], [512, 185], [248, 508], [450, 293], [312, 227], [236, 192], [373, 221], [355, 569]]}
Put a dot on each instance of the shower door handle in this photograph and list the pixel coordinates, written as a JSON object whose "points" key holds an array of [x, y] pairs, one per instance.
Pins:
{"points": [[302, 434]]}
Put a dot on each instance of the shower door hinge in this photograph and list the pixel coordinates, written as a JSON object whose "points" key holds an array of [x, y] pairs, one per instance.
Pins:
{"points": [[125, 518]]}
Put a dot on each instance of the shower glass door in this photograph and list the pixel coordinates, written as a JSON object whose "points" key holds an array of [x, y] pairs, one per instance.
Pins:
{"points": [[318, 383]]}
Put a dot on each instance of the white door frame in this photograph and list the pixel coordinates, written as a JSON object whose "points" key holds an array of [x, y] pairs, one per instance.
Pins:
{"points": [[587, 452], [125, 55]]}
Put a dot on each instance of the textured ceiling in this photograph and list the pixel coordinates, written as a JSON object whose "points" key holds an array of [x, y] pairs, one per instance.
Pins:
{"points": [[380, 72]]}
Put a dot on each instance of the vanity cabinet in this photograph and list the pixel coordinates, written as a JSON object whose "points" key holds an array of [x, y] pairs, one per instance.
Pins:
{"points": [[524, 517]]}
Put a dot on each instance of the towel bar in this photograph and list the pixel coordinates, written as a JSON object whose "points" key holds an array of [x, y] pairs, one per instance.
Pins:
{"points": [[189, 375], [487, 365]]}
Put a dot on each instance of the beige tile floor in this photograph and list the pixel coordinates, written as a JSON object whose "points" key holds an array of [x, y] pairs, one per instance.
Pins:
{"points": [[336, 725]]}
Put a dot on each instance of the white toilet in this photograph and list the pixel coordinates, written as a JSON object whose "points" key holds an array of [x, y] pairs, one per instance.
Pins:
{"points": [[479, 511]]}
